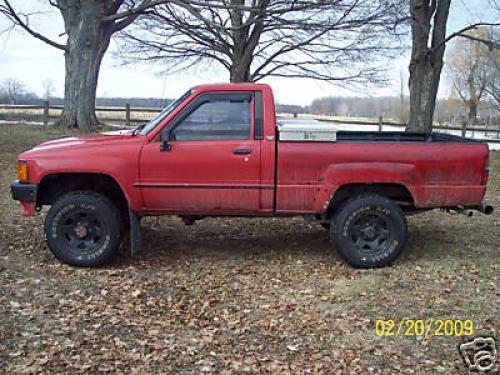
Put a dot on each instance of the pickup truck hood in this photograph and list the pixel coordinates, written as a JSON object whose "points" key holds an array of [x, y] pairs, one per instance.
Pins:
{"points": [[70, 142]]}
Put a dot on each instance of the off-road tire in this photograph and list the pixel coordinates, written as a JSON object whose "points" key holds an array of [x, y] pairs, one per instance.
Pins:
{"points": [[368, 231], [82, 228]]}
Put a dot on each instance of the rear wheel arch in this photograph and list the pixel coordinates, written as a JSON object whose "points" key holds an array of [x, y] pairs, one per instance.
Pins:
{"points": [[396, 192]]}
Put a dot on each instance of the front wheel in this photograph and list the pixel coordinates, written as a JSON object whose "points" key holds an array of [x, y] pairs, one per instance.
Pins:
{"points": [[369, 231], [83, 229]]}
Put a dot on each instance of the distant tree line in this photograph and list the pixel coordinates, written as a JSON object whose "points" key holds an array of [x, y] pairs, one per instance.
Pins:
{"points": [[134, 102], [449, 110], [30, 98], [13, 91], [372, 107]]}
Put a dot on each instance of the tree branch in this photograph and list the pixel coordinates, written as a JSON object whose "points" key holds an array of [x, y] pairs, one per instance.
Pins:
{"points": [[461, 33], [491, 44], [10, 13]]}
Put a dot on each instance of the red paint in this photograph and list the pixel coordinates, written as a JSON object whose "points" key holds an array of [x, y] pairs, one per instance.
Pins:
{"points": [[28, 208], [435, 174], [206, 178]]}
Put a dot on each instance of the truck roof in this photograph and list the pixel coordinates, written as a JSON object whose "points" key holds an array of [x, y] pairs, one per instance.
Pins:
{"points": [[247, 86]]}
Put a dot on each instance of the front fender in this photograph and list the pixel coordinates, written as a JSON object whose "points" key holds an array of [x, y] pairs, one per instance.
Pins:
{"points": [[118, 160]]}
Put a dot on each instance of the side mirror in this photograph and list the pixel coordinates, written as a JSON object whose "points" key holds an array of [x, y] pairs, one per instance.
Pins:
{"points": [[165, 146]]}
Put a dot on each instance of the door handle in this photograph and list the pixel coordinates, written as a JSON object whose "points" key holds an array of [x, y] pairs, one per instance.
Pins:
{"points": [[242, 151]]}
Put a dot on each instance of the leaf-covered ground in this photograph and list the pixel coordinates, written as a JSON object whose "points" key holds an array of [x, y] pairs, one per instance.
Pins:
{"points": [[237, 295]]}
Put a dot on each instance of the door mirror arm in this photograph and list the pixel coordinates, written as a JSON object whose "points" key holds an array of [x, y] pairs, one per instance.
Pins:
{"points": [[165, 146]]}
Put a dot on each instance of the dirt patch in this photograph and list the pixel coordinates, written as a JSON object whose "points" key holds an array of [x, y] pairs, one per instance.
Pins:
{"points": [[239, 295]]}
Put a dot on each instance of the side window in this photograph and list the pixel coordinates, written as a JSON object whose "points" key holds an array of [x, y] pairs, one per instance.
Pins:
{"points": [[215, 120]]}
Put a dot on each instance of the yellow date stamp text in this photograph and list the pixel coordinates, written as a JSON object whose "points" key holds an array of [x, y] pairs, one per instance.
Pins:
{"points": [[425, 328]]}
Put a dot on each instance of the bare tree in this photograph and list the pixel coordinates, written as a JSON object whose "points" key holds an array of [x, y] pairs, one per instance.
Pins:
{"points": [[88, 27], [330, 40], [14, 89], [492, 84], [428, 27], [492, 65], [472, 67], [48, 89]]}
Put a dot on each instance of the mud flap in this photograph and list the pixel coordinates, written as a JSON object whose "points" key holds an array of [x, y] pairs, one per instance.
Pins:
{"points": [[135, 233]]}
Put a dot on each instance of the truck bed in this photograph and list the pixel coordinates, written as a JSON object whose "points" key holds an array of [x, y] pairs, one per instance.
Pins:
{"points": [[314, 131], [438, 170], [394, 136]]}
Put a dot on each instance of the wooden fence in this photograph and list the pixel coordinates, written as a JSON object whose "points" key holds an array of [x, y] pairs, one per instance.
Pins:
{"points": [[128, 119], [495, 129], [47, 107]]}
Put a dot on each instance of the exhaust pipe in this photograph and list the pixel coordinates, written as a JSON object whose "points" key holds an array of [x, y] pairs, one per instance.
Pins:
{"points": [[486, 209]]}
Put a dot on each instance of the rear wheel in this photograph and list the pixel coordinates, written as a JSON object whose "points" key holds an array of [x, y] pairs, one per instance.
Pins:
{"points": [[83, 229], [369, 231]]}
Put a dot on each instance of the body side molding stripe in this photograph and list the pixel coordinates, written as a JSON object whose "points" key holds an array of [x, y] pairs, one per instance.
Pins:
{"points": [[156, 186]]}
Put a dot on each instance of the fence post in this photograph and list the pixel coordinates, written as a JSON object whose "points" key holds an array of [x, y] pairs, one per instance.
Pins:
{"points": [[127, 114], [380, 123], [46, 112], [464, 128]]}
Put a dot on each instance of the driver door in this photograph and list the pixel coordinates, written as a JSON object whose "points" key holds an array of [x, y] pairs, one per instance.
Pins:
{"points": [[212, 162]]}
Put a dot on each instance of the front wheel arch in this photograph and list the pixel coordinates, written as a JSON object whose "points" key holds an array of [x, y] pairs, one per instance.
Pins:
{"points": [[53, 186]]}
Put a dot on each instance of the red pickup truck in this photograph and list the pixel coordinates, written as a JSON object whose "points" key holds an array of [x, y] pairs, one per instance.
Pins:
{"points": [[219, 151]]}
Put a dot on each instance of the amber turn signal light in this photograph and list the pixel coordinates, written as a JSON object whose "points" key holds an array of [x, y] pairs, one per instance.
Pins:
{"points": [[22, 171]]}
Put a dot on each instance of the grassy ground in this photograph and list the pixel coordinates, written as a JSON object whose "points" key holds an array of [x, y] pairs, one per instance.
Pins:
{"points": [[239, 295]]}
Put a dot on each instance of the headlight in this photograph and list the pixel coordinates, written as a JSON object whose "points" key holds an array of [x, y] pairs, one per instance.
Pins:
{"points": [[22, 171]]}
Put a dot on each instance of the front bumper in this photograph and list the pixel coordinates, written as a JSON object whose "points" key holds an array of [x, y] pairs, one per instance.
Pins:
{"points": [[23, 192], [26, 194]]}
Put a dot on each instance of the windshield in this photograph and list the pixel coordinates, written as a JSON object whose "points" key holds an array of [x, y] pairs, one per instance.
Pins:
{"points": [[158, 118]]}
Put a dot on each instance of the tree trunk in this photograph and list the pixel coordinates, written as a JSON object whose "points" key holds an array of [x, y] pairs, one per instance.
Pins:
{"points": [[424, 84], [88, 40], [240, 66], [239, 72], [426, 62], [472, 112], [474, 99], [82, 71]]}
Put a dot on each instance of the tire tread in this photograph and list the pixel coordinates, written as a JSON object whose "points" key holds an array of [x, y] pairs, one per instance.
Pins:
{"points": [[344, 209], [114, 223]]}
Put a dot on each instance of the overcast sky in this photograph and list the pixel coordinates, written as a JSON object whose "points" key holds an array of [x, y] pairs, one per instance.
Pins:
{"points": [[33, 62]]}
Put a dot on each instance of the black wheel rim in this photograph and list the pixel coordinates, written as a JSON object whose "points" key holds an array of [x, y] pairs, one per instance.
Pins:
{"points": [[81, 230], [371, 232]]}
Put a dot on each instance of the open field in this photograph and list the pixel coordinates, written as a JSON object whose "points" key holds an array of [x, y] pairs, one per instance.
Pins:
{"points": [[115, 115], [234, 295]]}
